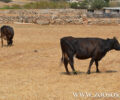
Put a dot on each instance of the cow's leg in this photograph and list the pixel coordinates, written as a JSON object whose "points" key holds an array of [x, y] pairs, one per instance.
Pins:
{"points": [[7, 42], [2, 41], [96, 63], [91, 62], [10, 42], [66, 64], [72, 64]]}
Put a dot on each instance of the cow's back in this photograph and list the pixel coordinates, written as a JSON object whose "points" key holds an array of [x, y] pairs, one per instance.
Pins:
{"points": [[7, 31], [87, 47], [88, 42]]}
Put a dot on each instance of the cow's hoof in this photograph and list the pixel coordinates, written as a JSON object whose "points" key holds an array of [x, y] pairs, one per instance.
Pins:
{"points": [[75, 73], [68, 73], [98, 71], [88, 72]]}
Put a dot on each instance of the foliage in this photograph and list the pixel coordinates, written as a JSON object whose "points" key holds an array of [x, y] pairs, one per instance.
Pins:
{"points": [[74, 5], [80, 5], [15, 6], [98, 4], [107, 1], [90, 4], [40, 5], [46, 4], [6, 1], [56, 4]]}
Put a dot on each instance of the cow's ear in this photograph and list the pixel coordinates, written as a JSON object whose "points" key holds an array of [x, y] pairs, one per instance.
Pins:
{"points": [[108, 39], [114, 38]]}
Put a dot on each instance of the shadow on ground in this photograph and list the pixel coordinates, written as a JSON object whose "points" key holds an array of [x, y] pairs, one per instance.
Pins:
{"points": [[78, 72]]}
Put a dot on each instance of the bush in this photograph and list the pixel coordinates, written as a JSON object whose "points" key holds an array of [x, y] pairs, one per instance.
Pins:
{"points": [[85, 4], [40, 5], [46, 4], [5, 7], [75, 5], [80, 5], [90, 4], [15, 6], [107, 1], [56, 4], [6, 1], [98, 4]]}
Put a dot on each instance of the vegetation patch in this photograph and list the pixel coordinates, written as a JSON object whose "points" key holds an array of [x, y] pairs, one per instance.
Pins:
{"points": [[6, 1], [62, 4], [90, 4], [15, 6], [40, 5]]}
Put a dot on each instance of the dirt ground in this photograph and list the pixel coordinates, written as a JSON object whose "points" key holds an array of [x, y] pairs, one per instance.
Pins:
{"points": [[30, 69]]}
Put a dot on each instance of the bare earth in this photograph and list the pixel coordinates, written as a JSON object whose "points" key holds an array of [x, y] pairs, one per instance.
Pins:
{"points": [[30, 69]]}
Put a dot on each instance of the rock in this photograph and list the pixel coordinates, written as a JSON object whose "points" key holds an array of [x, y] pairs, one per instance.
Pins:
{"points": [[42, 22], [54, 16], [69, 20], [59, 21], [35, 51]]}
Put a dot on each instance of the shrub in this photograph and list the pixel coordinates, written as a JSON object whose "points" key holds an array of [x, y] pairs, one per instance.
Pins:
{"points": [[107, 1], [46, 4], [80, 5], [85, 4], [75, 5], [5, 7], [98, 4], [6, 1], [15, 6], [90, 4], [40, 5]]}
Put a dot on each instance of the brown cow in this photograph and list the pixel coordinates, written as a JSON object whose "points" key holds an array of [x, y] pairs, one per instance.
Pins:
{"points": [[84, 48], [7, 33]]}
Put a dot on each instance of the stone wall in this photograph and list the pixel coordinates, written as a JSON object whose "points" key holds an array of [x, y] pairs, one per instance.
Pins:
{"points": [[103, 14], [52, 16]]}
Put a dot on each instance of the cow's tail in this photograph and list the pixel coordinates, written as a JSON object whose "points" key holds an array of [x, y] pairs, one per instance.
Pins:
{"points": [[65, 45], [62, 59]]}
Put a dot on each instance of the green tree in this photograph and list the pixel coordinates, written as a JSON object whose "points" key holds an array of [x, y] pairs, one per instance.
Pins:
{"points": [[107, 1], [84, 4], [80, 5], [6, 1], [98, 4], [90, 4]]}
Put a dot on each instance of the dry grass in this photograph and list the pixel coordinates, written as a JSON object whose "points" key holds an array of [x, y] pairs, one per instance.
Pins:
{"points": [[22, 0], [29, 75], [18, 2]]}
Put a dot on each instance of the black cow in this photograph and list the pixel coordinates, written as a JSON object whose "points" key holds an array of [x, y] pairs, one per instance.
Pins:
{"points": [[7, 33], [83, 48]]}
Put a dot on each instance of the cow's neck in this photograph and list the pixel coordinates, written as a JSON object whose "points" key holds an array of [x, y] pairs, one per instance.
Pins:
{"points": [[109, 45]]}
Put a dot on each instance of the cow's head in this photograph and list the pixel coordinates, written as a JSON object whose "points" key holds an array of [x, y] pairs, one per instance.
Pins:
{"points": [[116, 44]]}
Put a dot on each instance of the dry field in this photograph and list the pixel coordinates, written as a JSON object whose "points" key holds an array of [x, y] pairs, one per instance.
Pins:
{"points": [[30, 69]]}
